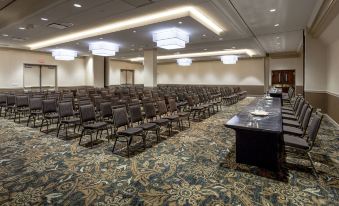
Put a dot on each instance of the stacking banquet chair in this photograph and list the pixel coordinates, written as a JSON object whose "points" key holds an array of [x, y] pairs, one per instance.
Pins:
{"points": [[66, 117], [196, 110], [214, 100], [294, 115], [49, 112], [151, 116], [306, 143], [21, 107], [297, 122], [120, 119], [173, 109], [137, 117], [107, 114], [300, 130], [291, 108], [35, 110], [163, 113], [204, 102], [10, 105], [90, 124], [287, 98], [2, 102]]}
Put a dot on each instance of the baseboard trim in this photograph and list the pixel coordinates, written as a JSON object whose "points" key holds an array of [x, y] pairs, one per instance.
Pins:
{"points": [[332, 120]]}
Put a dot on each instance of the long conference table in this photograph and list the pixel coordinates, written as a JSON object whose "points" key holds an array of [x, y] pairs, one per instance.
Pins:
{"points": [[259, 139]]}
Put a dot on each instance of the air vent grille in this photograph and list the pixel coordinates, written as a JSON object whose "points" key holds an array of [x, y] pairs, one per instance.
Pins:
{"points": [[61, 26]]}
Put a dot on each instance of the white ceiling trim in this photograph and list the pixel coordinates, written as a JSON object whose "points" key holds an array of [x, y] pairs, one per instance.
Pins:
{"points": [[248, 52], [166, 15]]}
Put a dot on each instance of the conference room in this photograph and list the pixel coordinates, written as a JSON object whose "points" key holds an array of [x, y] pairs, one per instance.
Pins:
{"points": [[169, 102]]}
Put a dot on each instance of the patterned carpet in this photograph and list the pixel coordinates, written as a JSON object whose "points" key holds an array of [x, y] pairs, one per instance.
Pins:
{"points": [[185, 169]]}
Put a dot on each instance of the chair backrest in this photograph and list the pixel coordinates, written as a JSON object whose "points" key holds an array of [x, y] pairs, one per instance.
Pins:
{"points": [[190, 101], [303, 112], [87, 113], [306, 119], [300, 106], [49, 106], [21, 101], [149, 109], [120, 117], [172, 105], [35, 103], [162, 108], [296, 103], [10, 100], [313, 128], [66, 109], [135, 113], [2, 98], [106, 110]]}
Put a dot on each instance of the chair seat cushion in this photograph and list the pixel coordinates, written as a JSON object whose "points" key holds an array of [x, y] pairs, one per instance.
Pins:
{"points": [[147, 126], [51, 116], [71, 121], [292, 130], [289, 116], [293, 123], [183, 114], [131, 131], [22, 109], [198, 108], [172, 117], [95, 125], [160, 121], [294, 141], [36, 112], [288, 112]]}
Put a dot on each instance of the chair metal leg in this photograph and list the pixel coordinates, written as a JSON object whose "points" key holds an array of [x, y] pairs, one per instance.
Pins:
{"points": [[312, 164], [82, 134], [59, 129], [115, 142], [42, 124]]}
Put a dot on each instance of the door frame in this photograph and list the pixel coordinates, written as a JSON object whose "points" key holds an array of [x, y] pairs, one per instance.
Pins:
{"points": [[40, 67], [128, 70]]}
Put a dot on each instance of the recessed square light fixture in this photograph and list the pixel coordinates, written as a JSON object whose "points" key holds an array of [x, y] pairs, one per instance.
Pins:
{"points": [[22, 28], [180, 22], [221, 39], [134, 31], [5, 35], [205, 49], [233, 47], [276, 25], [77, 5], [43, 19], [272, 10], [204, 35]]}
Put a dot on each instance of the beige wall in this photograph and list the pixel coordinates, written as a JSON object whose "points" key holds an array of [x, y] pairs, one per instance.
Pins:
{"points": [[315, 65], [287, 64], [70, 73], [116, 66], [245, 72], [333, 68]]}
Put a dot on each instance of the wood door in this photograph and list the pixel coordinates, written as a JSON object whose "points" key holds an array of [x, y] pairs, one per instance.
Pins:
{"points": [[283, 79]]}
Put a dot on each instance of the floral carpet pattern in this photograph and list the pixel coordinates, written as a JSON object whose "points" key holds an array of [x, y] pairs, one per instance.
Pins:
{"points": [[185, 169]]}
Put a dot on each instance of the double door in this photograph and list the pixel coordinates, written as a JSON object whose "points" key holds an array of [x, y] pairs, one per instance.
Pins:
{"points": [[283, 79], [40, 77]]}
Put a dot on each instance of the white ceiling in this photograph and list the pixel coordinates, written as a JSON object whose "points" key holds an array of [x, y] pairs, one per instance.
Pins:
{"points": [[249, 24]]}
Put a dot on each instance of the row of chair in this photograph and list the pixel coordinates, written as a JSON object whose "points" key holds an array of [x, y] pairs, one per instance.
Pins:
{"points": [[299, 130], [148, 115]]}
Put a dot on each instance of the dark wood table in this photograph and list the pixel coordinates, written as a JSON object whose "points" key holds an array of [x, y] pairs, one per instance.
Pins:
{"points": [[259, 139]]}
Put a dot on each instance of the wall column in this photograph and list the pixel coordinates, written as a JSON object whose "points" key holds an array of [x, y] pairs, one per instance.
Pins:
{"points": [[99, 71], [150, 68]]}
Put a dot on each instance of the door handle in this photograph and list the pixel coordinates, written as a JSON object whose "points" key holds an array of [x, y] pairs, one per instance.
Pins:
{"points": [[279, 77]]}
